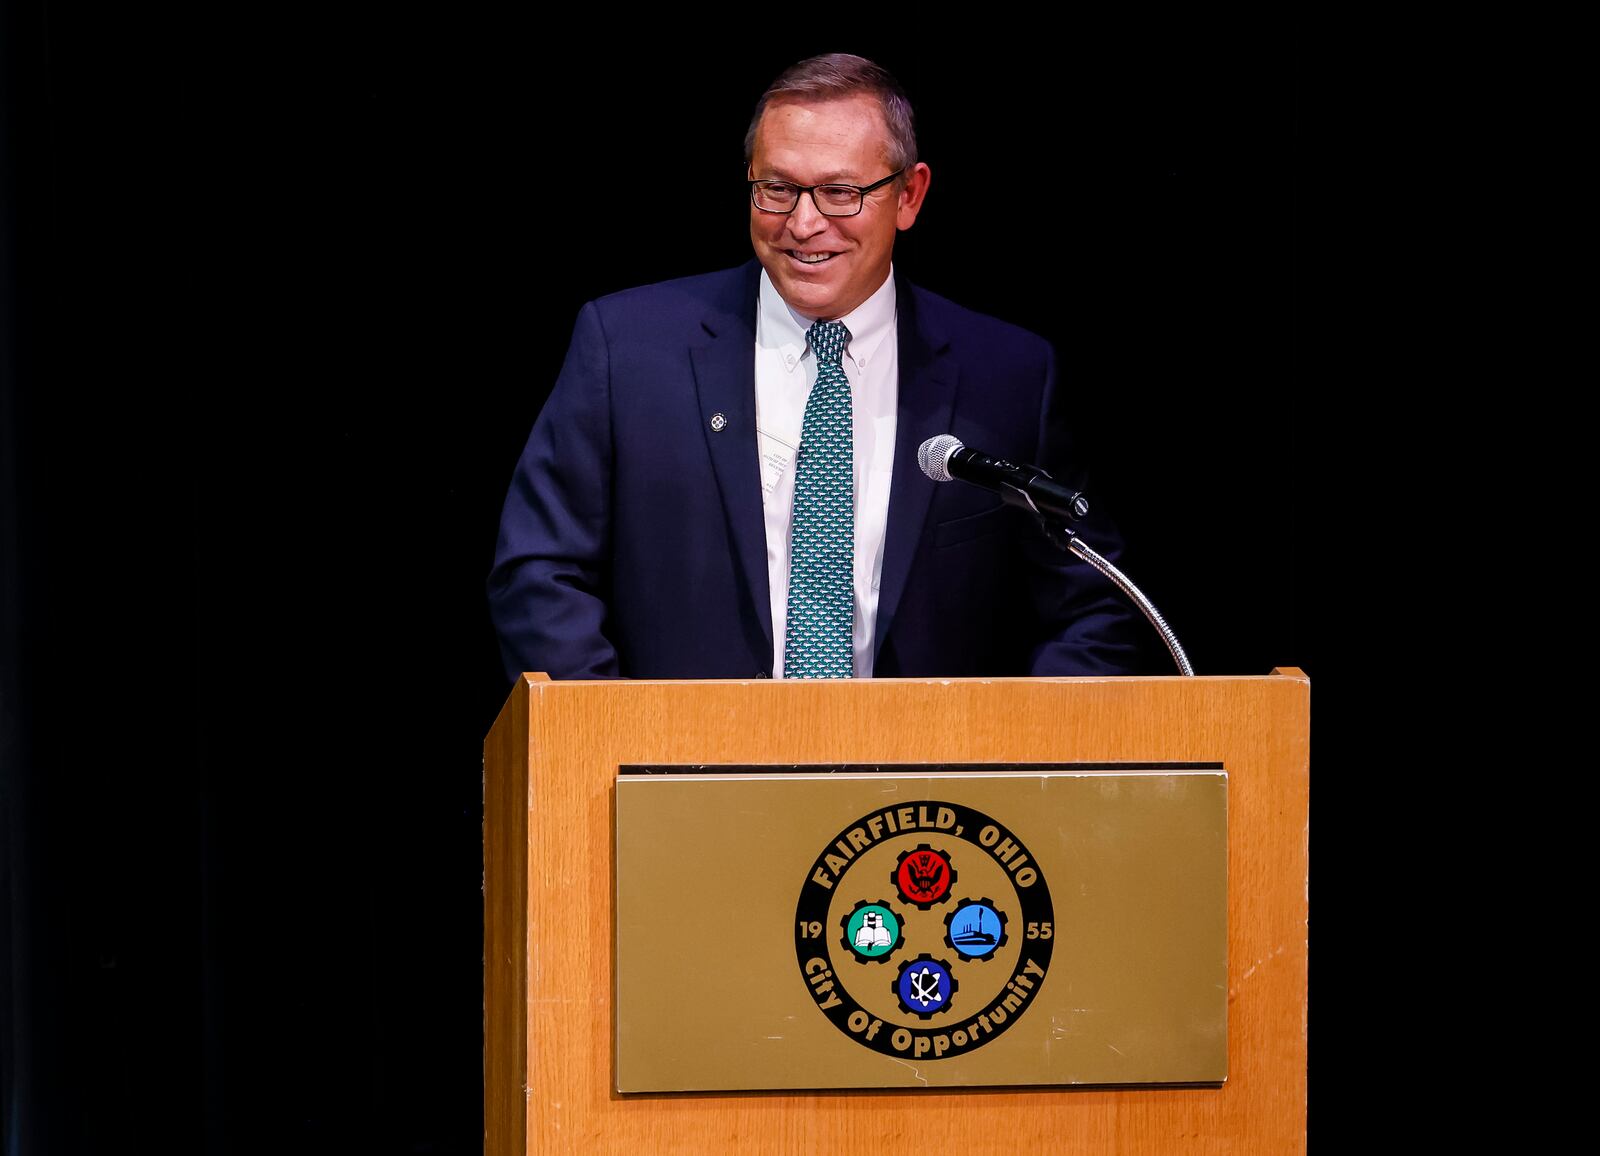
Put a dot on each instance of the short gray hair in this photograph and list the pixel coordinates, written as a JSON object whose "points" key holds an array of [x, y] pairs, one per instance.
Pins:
{"points": [[834, 77]]}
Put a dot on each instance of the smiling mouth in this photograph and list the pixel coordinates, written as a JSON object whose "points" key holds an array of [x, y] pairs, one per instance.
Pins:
{"points": [[811, 258]]}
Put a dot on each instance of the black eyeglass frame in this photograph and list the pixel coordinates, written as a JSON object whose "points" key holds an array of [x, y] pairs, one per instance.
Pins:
{"points": [[861, 192]]}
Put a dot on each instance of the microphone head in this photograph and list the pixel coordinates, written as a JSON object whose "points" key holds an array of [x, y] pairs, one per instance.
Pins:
{"points": [[933, 456]]}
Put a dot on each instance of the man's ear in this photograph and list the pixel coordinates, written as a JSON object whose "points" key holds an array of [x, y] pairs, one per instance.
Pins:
{"points": [[912, 190]]}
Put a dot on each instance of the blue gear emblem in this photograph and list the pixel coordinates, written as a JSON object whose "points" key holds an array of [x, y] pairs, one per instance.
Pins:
{"points": [[925, 986], [976, 929]]}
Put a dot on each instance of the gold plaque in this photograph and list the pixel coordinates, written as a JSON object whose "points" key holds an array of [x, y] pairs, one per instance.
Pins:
{"points": [[919, 927]]}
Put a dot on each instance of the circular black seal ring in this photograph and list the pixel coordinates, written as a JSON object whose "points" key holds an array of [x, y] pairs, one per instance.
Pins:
{"points": [[976, 1026]]}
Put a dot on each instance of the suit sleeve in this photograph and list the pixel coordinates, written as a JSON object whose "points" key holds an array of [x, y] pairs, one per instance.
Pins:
{"points": [[549, 586], [1086, 625]]}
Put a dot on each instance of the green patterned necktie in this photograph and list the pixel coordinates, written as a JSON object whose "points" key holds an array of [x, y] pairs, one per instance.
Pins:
{"points": [[821, 618]]}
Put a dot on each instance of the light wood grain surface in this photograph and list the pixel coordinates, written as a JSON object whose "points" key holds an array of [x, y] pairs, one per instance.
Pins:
{"points": [[550, 765]]}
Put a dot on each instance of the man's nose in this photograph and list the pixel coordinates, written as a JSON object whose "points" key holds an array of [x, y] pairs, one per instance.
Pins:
{"points": [[805, 221]]}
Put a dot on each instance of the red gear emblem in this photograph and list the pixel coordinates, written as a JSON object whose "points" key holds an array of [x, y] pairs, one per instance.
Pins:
{"points": [[924, 876]]}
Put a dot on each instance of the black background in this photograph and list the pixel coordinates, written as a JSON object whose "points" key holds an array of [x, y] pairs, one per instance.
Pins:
{"points": [[284, 293]]}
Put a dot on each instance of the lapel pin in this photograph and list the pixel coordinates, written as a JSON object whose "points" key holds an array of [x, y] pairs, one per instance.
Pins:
{"points": [[718, 423]]}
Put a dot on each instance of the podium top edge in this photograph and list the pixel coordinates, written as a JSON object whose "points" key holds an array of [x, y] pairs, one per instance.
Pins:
{"points": [[1280, 673]]}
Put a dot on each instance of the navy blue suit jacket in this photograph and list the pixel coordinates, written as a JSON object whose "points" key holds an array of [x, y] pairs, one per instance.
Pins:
{"points": [[632, 542]]}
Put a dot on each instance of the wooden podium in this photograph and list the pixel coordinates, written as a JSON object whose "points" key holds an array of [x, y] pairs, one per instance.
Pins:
{"points": [[551, 766]]}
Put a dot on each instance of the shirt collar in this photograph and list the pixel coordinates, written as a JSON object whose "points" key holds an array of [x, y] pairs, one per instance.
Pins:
{"points": [[784, 330]]}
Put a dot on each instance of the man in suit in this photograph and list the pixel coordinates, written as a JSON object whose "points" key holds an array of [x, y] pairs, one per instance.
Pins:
{"points": [[724, 481]]}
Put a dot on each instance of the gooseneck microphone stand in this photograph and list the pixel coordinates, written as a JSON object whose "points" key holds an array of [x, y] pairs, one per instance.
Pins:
{"points": [[944, 458], [1068, 540]]}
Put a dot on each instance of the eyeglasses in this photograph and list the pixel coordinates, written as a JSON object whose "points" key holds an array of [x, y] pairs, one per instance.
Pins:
{"points": [[831, 200]]}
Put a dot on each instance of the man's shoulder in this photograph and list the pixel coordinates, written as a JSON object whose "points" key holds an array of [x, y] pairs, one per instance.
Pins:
{"points": [[702, 297], [943, 320]]}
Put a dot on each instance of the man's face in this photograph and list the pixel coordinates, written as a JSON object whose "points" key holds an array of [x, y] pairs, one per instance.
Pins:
{"points": [[826, 266]]}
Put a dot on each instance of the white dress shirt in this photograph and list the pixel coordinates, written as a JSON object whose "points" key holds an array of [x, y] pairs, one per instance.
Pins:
{"points": [[786, 369]]}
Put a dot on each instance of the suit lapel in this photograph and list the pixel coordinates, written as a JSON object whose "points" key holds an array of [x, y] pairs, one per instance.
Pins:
{"points": [[927, 392], [725, 378]]}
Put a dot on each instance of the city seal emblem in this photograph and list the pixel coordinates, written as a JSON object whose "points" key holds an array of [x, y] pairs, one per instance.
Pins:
{"points": [[969, 929]]}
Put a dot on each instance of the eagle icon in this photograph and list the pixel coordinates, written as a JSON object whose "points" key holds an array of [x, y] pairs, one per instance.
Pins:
{"points": [[926, 872]]}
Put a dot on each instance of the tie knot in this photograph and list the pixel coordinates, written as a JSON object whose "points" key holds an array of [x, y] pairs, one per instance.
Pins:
{"points": [[828, 339]]}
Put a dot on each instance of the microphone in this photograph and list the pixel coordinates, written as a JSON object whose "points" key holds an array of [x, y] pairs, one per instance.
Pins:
{"points": [[944, 457]]}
